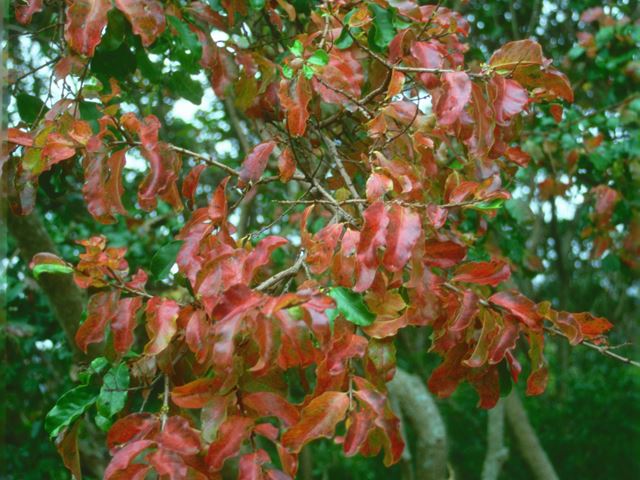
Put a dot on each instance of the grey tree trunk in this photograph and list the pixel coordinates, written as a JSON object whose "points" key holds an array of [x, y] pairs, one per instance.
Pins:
{"points": [[419, 409], [527, 439], [497, 452]]}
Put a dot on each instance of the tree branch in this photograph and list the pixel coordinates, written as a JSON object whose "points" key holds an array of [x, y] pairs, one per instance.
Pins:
{"points": [[527, 439], [497, 452], [421, 411]]}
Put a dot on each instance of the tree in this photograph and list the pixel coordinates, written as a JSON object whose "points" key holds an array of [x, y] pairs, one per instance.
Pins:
{"points": [[374, 161]]}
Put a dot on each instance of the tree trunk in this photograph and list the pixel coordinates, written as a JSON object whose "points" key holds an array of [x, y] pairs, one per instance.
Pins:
{"points": [[420, 410], [65, 298], [527, 439], [497, 452]]}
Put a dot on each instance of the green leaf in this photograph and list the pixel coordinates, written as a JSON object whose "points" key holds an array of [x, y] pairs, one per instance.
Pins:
{"points": [[489, 205], [89, 111], [297, 49], [256, 4], [29, 106], [164, 259], [383, 30], [319, 57], [505, 379], [186, 87], [51, 268], [188, 49], [69, 408], [103, 423], [116, 30], [96, 367], [352, 306], [307, 71], [113, 393], [345, 40], [287, 71], [118, 63]]}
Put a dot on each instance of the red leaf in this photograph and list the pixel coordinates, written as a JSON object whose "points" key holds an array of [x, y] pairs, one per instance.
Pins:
{"points": [[556, 112], [428, 55], [518, 156], [233, 432], [360, 424], [261, 255], [166, 462], [377, 186], [483, 273], [482, 139], [268, 404], [488, 334], [447, 376], [161, 324], [164, 165], [509, 98], [505, 341], [190, 183], [487, 384], [124, 456], [58, 148], [26, 9], [196, 394], [100, 310], [592, 327], [250, 466], [403, 232], [296, 104], [466, 311], [132, 427], [319, 419], [537, 381], [218, 208], [372, 237], [230, 311], [17, 136], [443, 254], [384, 419], [342, 74], [103, 189], [197, 334], [124, 323], [178, 436], [146, 18], [518, 54], [86, 19], [456, 95], [606, 200], [437, 216], [256, 162], [67, 446], [213, 414], [286, 165], [519, 306]]}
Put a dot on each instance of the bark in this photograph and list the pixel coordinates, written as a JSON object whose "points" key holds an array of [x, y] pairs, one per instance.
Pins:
{"points": [[420, 410], [65, 298], [497, 452], [527, 440]]}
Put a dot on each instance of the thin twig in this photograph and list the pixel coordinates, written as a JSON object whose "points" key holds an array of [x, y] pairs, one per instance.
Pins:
{"points": [[164, 411], [292, 270]]}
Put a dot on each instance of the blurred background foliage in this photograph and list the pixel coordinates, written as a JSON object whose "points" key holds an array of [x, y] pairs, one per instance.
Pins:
{"points": [[589, 419]]}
